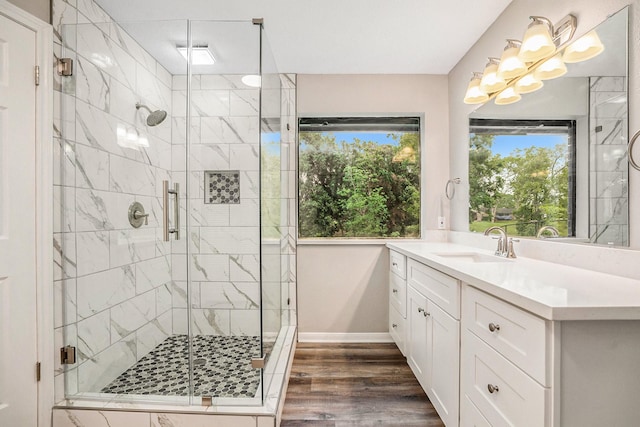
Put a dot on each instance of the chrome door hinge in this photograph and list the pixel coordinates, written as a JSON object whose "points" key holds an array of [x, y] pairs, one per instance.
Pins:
{"points": [[258, 362], [38, 371], [37, 75], [65, 67], [68, 355]]}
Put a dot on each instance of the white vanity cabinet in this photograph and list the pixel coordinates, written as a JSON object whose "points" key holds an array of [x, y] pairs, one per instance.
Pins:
{"points": [[503, 363], [433, 336], [397, 299], [525, 343]]}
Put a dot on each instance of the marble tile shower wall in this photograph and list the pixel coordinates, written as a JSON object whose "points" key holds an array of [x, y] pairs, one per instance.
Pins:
{"points": [[609, 213], [112, 288], [289, 201], [224, 238]]}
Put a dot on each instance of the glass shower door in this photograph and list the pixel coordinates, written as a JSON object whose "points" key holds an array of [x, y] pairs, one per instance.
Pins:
{"points": [[118, 284]]}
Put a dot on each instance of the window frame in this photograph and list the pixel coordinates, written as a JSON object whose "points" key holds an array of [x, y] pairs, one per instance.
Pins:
{"points": [[364, 241]]}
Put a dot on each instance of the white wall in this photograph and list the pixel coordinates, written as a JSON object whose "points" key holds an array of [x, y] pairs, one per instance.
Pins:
{"points": [[511, 24], [39, 8], [343, 288], [353, 298]]}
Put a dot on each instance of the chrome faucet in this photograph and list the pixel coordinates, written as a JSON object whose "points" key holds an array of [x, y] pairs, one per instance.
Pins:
{"points": [[554, 232], [502, 240], [505, 244]]}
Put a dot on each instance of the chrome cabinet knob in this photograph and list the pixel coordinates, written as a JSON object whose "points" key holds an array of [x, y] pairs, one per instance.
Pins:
{"points": [[394, 326], [492, 388], [494, 327]]}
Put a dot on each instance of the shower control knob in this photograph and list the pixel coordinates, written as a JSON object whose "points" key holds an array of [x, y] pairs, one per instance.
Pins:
{"points": [[137, 215]]}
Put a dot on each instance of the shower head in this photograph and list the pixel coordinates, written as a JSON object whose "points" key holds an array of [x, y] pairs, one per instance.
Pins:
{"points": [[155, 117]]}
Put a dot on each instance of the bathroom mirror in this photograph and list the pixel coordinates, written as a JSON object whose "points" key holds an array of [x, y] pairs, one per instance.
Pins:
{"points": [[554, 164]]}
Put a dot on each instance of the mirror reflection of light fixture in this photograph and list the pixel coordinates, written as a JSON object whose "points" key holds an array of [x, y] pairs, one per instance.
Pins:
{"points": [[537, 42], [586, 47], [474, 94], [252, 80], [200, 54], [551, 68], [405, 154], [507, 96], [491, 81], [528, 84], [511, 65]]}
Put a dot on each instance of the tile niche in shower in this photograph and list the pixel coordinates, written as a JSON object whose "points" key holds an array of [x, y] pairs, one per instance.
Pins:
{"points": [[222, 187]]}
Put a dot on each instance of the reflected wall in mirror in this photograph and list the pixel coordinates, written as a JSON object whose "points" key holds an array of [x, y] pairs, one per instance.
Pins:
{"points": [[554, 164]]}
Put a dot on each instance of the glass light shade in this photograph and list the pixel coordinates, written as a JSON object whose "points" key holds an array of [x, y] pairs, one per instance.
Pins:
{"points": [[491, 81], [537, 42], [507, 96], [551, 68], [586, 47], [474, 94], [528, 84], [511, 65]]}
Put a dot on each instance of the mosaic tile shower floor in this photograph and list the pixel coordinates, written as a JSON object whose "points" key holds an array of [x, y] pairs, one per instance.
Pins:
{"points": [[221, 365]]}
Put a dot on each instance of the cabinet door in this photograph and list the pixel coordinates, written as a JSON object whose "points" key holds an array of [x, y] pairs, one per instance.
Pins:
{"points": [[416, 345], [443, 369]]}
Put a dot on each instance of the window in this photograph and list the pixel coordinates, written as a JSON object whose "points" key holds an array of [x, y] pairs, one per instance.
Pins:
{"points": [[359, 177], [522, 176]]}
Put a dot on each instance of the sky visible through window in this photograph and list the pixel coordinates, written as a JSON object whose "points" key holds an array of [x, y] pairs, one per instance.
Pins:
{"points": [[504, 145]]}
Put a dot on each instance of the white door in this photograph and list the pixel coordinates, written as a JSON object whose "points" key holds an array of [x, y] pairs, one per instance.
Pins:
{"points": [[443, 343], [416, 345], [18, 346]]}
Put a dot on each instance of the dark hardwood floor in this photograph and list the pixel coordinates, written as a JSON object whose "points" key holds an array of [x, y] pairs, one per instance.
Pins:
{"points": [[335, 385]]}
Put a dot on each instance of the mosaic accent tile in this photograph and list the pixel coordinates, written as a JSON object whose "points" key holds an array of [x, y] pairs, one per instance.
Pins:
{"points": [[222, 187], [221, 368]]}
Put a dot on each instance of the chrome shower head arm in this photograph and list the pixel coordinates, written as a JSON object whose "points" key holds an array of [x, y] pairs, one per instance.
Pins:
{"points": [[139, 106]]}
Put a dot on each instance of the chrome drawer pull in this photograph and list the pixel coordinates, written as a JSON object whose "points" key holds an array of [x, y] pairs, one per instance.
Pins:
{"points": [[394, 326], [493, 327], [493, 388], [424, 313], [395, 264], [395, 291]]}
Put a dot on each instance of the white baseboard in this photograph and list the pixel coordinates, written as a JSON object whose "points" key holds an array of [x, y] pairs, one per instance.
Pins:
{"points": [[372, 337]]}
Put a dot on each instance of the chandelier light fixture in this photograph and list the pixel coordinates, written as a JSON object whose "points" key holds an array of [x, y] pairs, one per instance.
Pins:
{"points": [[523, 66]]}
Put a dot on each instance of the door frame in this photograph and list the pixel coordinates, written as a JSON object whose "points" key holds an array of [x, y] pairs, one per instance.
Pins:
{"points": [[44, 203]]}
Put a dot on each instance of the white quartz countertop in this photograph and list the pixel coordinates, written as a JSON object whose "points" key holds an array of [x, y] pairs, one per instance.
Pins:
{"points": [[549, 290]]}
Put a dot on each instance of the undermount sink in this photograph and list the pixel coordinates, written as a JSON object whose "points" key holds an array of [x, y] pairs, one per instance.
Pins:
{"points": [[471, 257]]}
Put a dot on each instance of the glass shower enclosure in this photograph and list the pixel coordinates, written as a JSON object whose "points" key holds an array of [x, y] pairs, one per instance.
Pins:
{"points": [[171, 269]]}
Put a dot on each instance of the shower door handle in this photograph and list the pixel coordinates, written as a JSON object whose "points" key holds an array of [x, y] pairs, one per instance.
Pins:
{"points": [[166, 191]]}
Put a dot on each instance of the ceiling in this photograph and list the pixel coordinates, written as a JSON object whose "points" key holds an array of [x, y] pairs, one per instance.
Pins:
{"points": [[330, 36]]}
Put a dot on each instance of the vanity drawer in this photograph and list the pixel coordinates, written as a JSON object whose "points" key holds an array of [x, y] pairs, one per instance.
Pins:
{"points": [[470, 416], [398, 294], [398, 264], [501, 392], [443, 290], [516, 334], [397, 328]]}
